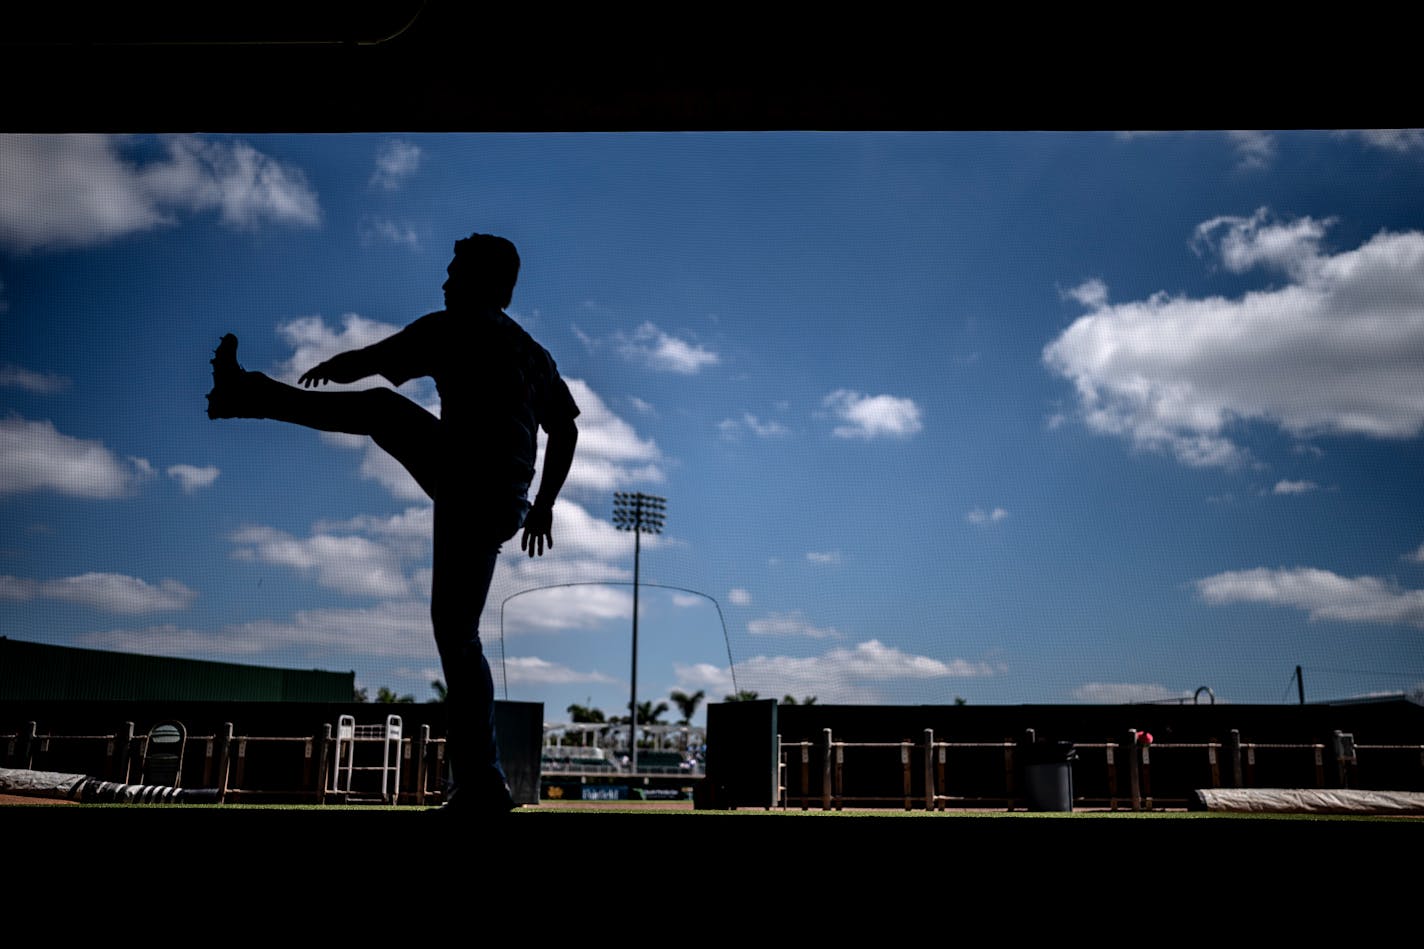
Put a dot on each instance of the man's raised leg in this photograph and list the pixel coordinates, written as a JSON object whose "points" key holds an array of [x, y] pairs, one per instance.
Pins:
{"points": [[406, 431]]}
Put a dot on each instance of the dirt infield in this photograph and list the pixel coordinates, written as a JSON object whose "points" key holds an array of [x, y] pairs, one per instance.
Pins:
{"points": [[26, 799]]}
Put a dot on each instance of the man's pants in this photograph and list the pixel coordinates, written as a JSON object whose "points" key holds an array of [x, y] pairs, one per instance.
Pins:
{"points": [[468, 534], [474, 516]]}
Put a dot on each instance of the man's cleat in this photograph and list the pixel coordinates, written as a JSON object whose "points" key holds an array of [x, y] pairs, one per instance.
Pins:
{"points": [[493, 805], [225, 365], [227, 375]]}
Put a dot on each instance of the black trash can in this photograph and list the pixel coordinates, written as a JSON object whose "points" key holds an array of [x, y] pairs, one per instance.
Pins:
{"points": [[1048, 775]]}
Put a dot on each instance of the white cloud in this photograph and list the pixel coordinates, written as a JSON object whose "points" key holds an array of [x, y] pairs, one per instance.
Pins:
{"points": [[1125, 693], [382, 230], [37, 382], [559, 608], [981, 516], [1245, 243], [412, 530], [192, 478], [716, 681], [739, 597], [18, 589], [657, 350], [398, 629], [312, 341], [350, 564], [530, 670], [1417, 556], [580, 534], [382, 468], [1334, 350], [170, 640], [789, 624], [74, 190], [539, 591], [1092, 293], [396, 161], [109, 592], [824, 557], [244, 185], [1323, 595], [35, 457], [762, 428], [874, 660], [873, 416], [868, 673], [1394, 140], [610, 454], [1294, 487], [1254, 150]]}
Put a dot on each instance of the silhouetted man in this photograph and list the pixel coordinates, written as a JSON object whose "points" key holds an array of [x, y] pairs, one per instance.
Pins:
{"points": [[476, 461]]}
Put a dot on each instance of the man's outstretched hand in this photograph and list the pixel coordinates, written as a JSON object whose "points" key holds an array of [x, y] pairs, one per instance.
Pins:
{"points": [[343, 367], [538, 530]]}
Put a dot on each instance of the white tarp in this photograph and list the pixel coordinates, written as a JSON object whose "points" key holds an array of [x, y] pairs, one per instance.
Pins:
{"points": [[88, 789], [1308, 801], [39, 783]]}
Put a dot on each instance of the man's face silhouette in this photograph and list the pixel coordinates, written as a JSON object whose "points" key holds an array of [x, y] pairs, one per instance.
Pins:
{"points": [[462, 288]]}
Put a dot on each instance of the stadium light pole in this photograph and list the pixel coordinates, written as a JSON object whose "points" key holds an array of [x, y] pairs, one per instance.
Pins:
{"points": [[641, 514]]}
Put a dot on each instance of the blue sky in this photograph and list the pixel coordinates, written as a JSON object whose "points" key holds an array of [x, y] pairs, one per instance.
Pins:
{"points": [[1009, 417]]}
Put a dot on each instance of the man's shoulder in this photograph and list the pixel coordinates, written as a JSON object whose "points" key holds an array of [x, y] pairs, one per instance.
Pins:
{"points": [[422, 324], [518, 335]]}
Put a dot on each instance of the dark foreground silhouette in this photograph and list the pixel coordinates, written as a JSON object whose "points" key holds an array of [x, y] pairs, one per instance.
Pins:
{"points": [[476, 461]]}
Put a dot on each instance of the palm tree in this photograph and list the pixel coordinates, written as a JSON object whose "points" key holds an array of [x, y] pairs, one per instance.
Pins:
{"points": [[791, 700], [583, 713], [388, 696], [648, 714], [742, 695], [687, 704], [441, 692]]}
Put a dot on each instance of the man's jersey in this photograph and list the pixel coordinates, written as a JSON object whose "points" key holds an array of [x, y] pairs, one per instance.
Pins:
{"points": [[497, 387]]}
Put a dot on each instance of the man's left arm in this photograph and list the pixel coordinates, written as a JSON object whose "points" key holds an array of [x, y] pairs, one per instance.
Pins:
{"points": [[558, 459]]}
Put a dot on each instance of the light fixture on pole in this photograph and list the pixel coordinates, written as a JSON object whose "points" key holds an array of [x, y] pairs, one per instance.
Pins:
{"points": [[641, 514]]}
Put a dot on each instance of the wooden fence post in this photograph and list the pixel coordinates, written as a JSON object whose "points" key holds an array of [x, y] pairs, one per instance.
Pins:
{"points": [[1134, 788], [224, 757], [422, 763], [120, 750], [1110, 752], [27, 746], [1233, 756], [905, 756], [930, 788], [308, 765], [323, 765]]}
